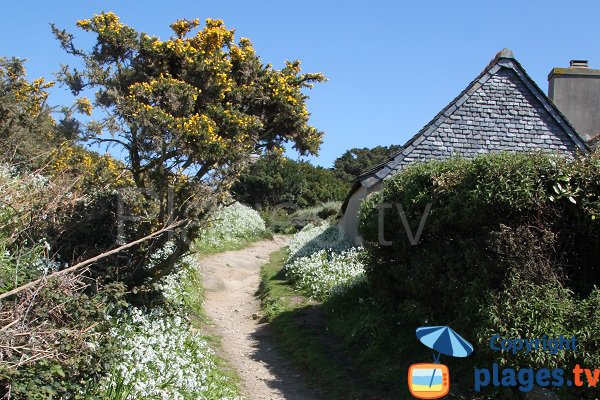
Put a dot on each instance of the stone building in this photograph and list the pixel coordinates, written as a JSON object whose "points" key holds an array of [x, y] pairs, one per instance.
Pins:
{"points": [[501, 110]]}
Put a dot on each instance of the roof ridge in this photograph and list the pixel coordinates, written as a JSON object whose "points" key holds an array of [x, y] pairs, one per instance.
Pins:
{"points": [[463, 96], [503, 59], [440, 113]]}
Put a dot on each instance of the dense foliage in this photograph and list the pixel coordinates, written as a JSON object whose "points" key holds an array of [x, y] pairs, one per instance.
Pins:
{"points": [[187, 112], [27, 129], [290, 220], [76, 336], [43, 349], [274, 181], [510, 247], [356, 161]]}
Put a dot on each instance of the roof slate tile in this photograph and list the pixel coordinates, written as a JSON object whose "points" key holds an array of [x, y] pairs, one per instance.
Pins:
{"points": [[501, 110]]}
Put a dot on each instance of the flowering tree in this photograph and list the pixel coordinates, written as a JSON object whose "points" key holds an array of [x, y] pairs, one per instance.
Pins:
{"points": [[26, 125], [188, 111]]}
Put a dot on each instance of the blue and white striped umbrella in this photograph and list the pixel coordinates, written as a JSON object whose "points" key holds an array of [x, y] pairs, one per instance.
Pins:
{"points": [[444, 340]]}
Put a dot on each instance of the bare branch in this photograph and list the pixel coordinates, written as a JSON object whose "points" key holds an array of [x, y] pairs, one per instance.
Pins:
{"points": [[91, 260]]}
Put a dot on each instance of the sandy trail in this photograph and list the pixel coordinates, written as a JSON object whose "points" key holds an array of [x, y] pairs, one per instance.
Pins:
{"points": [[231, 280]]}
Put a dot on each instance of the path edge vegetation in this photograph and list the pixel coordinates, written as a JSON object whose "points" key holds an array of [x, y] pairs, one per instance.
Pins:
{"points": [[325, 365], [194, 288]]}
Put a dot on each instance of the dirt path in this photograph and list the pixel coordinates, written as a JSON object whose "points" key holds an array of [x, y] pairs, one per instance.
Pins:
{"points": [[231, 280]]}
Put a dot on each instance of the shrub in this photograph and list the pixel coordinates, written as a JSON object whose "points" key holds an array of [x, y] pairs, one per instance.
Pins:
{"points": [[279, 220], [47, 353], [552, 311], [325, 272], [41, 215], [328, 210], [284, 220], [231, 226], [321, 261], [316, 215], [28, 203], [314, 238], [510, 245], [27, 130], [70, 337], [472, 201], [88, 170]]}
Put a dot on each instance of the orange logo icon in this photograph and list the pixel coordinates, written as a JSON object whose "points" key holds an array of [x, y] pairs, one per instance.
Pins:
{"points": [[432, 381], [428, 381]]}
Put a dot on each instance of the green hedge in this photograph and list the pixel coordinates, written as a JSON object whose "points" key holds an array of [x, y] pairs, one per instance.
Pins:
{"points": [[510, 247]]}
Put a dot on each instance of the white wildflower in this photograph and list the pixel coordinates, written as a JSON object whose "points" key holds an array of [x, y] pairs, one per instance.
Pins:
{"points": [[232, 224], [323, 262]]}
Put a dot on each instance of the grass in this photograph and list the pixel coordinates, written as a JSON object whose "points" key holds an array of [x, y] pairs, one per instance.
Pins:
{"points": [[301, 331], [350, 345]]}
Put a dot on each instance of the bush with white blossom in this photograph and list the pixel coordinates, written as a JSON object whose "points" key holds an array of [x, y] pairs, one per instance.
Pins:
{"points": [[322, 261], [161, 356], [325, 272], [314, 238], [230, 226]]}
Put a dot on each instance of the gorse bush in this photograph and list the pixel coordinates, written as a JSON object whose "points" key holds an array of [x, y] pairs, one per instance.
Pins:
{"points": [[89, 170], [28, 133], [187, 112], [510, 246], [107, 331]]}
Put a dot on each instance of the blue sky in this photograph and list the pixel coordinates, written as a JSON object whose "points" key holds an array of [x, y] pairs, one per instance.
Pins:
{"points": [[392, 66]]}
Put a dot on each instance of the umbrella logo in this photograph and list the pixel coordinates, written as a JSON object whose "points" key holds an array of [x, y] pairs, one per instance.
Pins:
{"points": [[432, 380]]}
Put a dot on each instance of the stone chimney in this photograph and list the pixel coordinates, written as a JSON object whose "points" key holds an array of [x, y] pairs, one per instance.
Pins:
{"points": [[576, 92]]}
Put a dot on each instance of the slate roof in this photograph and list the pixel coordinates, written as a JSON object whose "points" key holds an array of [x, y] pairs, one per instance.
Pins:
{"points": [[501, 110]]}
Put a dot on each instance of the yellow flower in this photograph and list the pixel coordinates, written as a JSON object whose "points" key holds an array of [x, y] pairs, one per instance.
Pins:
{"points": [[181, 27], [84, 24], [101, 22], [84, 105]]}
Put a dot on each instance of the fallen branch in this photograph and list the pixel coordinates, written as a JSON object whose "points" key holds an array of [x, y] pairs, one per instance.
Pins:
{"points": [[90, 260], [5, 327]]}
